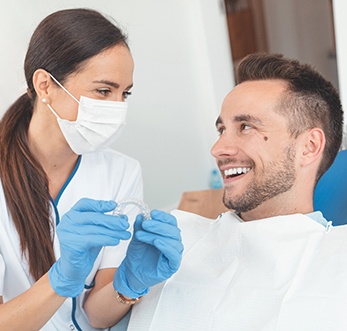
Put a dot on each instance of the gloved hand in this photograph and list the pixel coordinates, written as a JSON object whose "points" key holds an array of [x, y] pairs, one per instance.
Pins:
{"points": [[154, 254], [82, 232]]}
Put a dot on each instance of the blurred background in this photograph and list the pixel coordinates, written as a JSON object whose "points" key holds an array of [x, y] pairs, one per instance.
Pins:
{"points": [[185, 52]]}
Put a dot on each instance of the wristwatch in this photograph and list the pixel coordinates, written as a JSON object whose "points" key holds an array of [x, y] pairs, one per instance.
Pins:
{"points": [[120, 298]]}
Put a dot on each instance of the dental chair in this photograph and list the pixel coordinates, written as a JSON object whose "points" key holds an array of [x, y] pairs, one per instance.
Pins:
{"points": [[330, 196]]}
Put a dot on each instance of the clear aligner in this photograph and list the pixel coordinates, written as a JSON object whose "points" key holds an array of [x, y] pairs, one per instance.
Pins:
{"points": [[138, 203]]}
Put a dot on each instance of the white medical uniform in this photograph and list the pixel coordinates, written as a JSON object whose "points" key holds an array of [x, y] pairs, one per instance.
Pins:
{"points": [[283, 273], [106, 175]]}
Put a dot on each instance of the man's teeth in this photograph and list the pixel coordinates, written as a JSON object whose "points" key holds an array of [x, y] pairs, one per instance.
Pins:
{"points": [[236, 171]]}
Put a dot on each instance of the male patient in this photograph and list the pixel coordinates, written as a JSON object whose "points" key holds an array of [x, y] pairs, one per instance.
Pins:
{"points": [[273, 264]]}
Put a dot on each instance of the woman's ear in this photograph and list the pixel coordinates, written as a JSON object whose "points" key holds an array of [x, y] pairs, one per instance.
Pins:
{"points": [[42, 83], [313, 146]]}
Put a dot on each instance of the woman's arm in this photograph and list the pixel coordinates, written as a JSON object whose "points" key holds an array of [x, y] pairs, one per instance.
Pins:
{"points": [[82, 233], [101, 305], [21, 313]]}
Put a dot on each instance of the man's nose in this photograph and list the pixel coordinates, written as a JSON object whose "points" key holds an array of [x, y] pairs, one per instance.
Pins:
{"points": [[224, 147]]}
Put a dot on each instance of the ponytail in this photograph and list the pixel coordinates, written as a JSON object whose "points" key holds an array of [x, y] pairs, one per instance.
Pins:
{"points": [[25, 187]]}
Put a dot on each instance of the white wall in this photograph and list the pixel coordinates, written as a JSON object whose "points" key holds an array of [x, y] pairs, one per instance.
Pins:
{"points": [[182, 72], [340, 14]]}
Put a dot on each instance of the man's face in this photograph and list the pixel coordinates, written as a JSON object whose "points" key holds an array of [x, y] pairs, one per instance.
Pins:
{"points": [[254, 152]]}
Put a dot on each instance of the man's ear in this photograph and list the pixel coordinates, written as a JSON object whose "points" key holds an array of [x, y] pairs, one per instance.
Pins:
{"points": [[313, 146], [42, 83]]}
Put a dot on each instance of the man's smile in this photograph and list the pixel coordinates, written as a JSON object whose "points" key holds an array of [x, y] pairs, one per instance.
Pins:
{"points": [[235, 171]]}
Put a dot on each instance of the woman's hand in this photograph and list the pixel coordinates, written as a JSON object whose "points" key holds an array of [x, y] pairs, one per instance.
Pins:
{"points": [[154, 254], [82, 232]]}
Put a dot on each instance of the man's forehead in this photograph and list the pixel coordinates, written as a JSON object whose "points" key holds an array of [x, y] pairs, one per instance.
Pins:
{"points": [[269, 87], [252, 97]]}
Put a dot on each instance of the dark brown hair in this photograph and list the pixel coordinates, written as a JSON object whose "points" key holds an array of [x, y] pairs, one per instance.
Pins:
{"points": [[61, 44], [311, 101]]}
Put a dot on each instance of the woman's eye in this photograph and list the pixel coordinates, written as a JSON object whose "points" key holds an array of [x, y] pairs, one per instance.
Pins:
{"points": [[126, 94], [104, 92]]}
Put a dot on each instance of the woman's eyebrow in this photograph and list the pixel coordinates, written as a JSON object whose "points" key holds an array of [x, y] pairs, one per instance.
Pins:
{"points": [[110, 83]]}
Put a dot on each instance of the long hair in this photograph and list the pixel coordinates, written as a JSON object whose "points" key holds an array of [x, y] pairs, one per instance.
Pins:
{"points": [[310, 100], [61, 44]]}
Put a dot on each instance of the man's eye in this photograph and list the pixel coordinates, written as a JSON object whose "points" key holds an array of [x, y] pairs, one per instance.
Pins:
{"points": [[126, 94], [221, 130], [245, 127]]}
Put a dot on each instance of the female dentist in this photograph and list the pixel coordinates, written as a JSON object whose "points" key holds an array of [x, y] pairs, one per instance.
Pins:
{"points": [[60, 245]]}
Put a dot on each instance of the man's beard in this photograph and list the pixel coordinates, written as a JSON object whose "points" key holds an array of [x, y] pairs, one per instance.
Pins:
{"points": [[278, 178]]}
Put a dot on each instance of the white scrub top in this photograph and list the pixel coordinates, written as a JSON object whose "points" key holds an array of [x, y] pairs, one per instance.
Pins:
{"points": [[104, 175], [278, 274]]}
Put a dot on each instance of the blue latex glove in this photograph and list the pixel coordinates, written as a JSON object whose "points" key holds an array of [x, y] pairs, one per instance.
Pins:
{"points": [[154, 255], [82, 232]]}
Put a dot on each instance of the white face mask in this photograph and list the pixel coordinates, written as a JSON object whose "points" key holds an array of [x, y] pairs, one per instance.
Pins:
{"points": [[98, 123]]}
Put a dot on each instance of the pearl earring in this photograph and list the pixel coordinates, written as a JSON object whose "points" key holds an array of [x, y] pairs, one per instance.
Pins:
{"points": [[44, 100]]}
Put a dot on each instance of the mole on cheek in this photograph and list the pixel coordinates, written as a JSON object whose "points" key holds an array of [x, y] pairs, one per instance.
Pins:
{"points": [[266, 138]]}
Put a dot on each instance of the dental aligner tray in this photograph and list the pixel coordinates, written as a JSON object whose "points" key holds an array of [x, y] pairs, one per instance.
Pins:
{"points": [[145, 211]]}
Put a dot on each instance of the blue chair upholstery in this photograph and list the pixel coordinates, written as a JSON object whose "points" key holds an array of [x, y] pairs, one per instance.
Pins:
{"points": [[330, 196]]}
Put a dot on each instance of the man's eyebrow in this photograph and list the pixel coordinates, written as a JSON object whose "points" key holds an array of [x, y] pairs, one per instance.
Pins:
{"points": [[113, 84], [248, 118], [242, 118]]}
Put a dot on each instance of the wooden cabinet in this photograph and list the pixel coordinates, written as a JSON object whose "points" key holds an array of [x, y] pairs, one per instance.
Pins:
{"points": [[241, 33], [246, 27]]}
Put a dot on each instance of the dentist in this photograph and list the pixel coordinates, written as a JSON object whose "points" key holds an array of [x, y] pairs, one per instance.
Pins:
{"points": [[59, 244]]}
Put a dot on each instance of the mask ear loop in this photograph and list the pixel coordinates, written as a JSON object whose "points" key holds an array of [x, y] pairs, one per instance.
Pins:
{"points": [[138, 203], [64, 88]]}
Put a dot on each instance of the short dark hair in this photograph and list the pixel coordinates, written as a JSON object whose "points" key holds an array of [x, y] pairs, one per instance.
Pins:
{"points": [[311, 100]]}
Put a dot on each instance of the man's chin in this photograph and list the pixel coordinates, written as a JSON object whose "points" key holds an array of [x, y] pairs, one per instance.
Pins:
{"points": [[239, 204], [230, 200], [229, 203]]}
